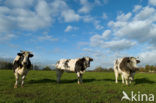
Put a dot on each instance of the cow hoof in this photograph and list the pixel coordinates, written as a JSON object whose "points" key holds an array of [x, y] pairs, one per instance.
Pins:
{"points": [[79, 82], [22, 86], [15, 86]]}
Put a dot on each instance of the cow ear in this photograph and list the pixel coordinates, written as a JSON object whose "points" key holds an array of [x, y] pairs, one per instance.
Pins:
{"points": [[138, 61], [83, 58], [31, 55], [91, 59], [19, 54]]}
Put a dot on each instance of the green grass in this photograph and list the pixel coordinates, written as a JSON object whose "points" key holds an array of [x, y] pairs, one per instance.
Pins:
{"points": [[98, 87]]}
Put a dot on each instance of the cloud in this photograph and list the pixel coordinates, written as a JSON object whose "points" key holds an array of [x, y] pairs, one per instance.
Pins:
{"points": [[124, 17], [19, 3], [70, 28], [127, 34], [137, 8], [87, 18], [97, 24], [140, 27], [104, 16], [5, 37], [104, 36], [152, 2], [91, 19], [86, 6], [46, 37], [145, 13], [18, 15], [32, 15], [64, 11], [100, 2], [115, 45], [69, 16], [148, 57], [103, 41]]}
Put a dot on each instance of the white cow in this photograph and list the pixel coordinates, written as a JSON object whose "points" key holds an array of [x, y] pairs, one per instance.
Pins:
{"points": [[78, 65], [126, 67], [21, 65]]}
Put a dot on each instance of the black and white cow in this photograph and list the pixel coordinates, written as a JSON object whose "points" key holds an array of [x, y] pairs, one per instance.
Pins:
{"points": [[78, 65], [21, 65], [126, 67]]}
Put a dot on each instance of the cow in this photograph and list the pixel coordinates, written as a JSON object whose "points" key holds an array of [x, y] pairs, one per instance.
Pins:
{"points": [[126, 67], [78, 66], [21, 66]]}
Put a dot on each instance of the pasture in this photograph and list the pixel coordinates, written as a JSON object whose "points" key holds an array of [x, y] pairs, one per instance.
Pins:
{"points": [[98, 87]]}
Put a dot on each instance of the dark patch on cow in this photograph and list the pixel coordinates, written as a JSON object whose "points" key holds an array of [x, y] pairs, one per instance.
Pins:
{"points": [[29, 64], [123, 65], [80, 63], [116, 66], [66, 63]]}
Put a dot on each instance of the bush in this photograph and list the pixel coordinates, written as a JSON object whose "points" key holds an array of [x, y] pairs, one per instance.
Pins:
{"points": [[101, 69], [47, 68], [5, 64]]}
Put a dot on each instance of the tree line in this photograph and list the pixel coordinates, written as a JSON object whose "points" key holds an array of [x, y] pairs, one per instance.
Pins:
{"points": [[146, 68]]}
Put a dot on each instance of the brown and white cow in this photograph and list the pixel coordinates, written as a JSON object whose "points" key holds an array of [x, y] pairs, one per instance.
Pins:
{"points": [[78, 66], [126, 67], [21, 65]]}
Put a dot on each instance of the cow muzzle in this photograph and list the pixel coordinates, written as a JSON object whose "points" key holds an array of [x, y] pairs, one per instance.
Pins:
{"points": [[136, 69], [24, 63]]}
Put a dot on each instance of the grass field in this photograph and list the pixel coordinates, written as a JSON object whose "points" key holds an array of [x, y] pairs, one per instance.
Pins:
{"points": [[98, 87]]}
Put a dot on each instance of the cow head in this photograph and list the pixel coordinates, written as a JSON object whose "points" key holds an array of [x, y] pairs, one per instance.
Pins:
{"points": [[24, 57], [132, 63], [86, 61]]}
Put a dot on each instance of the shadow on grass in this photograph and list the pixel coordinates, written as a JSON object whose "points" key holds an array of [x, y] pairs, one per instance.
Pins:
{"points": [[143, 80], [75, 81], [137, 81], [62, 81], [110, 80], [42, 81]]}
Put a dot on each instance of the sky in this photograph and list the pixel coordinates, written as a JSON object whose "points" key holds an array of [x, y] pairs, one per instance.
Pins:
{"points": [[102, 29]]}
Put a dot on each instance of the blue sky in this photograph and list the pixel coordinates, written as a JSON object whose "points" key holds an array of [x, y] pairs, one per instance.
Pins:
{"points": [[102, 29]]}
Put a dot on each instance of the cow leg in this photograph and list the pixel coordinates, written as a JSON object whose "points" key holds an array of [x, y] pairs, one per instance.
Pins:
{"points": [[131, 79], [17, 79], [59, 74], [116, 77], [127, 80], [23, 78], [123, 79], [79, 77], [126, 77]]}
